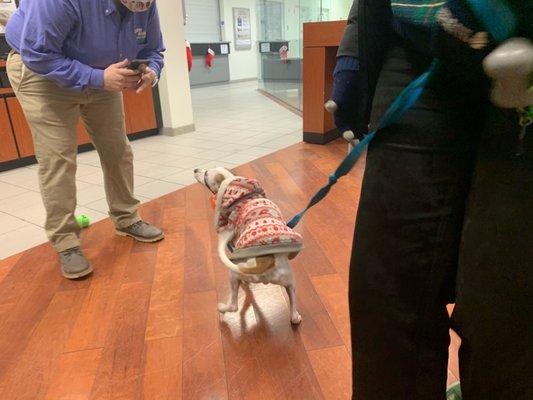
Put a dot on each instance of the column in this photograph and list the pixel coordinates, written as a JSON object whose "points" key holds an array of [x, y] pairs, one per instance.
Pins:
{"points": [[174, 88]]}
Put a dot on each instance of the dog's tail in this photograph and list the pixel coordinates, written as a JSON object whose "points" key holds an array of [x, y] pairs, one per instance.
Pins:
{"points": [[241, 268]]}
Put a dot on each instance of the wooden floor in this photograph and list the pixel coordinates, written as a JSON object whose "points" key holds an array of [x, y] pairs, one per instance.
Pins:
{"points": [[146, 326]]}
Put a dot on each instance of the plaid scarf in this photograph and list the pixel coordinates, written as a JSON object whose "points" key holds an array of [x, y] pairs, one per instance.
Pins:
{"points": [[421, 13]]}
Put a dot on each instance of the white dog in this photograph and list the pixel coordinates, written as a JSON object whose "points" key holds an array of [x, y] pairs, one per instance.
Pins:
{"points": [[252, 226]]}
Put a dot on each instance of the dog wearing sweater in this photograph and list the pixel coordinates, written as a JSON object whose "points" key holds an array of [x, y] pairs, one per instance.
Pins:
{"points": [[252, 227]]}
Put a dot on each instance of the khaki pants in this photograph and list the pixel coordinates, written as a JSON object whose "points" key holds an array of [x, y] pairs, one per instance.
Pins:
{"points": [[53, 114]]}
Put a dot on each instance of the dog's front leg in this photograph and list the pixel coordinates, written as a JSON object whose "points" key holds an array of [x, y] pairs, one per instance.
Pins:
{"points": [[296, 318], [233, 303]]}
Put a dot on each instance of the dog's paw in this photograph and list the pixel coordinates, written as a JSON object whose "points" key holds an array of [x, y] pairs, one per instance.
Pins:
{"points": [[224, 308], [296, 319]]}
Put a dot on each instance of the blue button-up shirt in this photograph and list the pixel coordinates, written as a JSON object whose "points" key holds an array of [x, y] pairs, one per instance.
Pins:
{"points": [[71, 42]]}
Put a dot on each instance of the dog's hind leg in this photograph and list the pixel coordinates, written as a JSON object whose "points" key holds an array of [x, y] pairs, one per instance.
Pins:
{"points": [[233, 303], [296, 318]]}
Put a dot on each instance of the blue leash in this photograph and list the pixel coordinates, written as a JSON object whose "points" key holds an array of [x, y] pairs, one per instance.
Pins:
{"points": [[407, 98]]}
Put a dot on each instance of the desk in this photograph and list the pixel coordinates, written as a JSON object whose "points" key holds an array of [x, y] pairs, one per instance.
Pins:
{"points": [[320, 43]]}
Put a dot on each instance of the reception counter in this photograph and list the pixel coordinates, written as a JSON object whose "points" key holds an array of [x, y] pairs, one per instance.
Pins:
{"points": [[16, 145], [321, 42]]}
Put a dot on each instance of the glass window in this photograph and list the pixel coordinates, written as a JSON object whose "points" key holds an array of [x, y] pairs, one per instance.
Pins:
{"points": [[282, 21]]}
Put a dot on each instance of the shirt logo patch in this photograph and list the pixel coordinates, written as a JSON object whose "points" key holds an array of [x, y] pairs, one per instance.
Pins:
{"points": [[140, 34]]}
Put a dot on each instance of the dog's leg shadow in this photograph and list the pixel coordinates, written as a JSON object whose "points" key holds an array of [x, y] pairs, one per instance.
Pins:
{"points": [[249, 301]]}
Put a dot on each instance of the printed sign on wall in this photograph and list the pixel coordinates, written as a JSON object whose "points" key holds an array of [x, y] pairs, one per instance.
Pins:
{"points": [[242, 28]]}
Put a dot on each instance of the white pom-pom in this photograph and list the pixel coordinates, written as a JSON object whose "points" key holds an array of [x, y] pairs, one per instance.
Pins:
{"points": [[348, 136], [510, 67], [331, 106]]}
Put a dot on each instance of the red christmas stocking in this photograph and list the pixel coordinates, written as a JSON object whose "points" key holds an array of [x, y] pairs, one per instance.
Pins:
{"points": [[209, 58], [284, 54], [188, 50]]}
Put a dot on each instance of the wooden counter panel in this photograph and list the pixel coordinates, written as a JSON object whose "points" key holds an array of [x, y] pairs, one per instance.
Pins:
{"points": [[8, 147], [321, 42], [138, 119], [323, 34], [20, 126], [313, 93], [83, 136], [330, 62], [16, 138], [139, 110], [317, 71]]}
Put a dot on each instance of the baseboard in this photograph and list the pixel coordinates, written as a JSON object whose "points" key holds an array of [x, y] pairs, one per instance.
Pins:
{"points": [[243, 80], [222, 83], [18, 163], [177, 131], [321, 138], [281, 102]]}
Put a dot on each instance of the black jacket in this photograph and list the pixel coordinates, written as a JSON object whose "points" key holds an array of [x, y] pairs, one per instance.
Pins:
{"points": [[369, 43]]}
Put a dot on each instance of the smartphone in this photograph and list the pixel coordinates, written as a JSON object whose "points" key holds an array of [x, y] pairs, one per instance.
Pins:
{"points": [[136, 64]]}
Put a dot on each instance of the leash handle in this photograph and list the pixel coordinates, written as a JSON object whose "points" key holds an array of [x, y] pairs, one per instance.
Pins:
{"points": [[407, 98]]}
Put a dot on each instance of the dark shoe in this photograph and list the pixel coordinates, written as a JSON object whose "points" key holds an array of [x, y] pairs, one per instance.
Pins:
{"points": [[74, 265], [143, 232]]}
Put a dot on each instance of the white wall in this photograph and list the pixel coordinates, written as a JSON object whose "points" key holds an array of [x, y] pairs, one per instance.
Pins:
{"points": [[174, 88], [338, 9], [243, 64]]}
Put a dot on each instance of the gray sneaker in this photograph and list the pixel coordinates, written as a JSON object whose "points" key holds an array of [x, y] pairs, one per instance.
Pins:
{"points": [[74, 265], [143, 232]]}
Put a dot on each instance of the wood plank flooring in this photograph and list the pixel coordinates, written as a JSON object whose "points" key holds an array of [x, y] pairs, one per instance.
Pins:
{"points": [[146, 326]]}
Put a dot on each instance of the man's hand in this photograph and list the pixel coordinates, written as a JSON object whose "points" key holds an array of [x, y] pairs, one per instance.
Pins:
{"points": [[148, 78], [117, 77]]}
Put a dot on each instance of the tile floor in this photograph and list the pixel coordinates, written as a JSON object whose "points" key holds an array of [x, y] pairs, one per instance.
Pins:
{"points": [[234, 125]]}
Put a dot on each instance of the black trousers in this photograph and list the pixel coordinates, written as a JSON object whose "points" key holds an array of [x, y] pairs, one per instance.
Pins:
{"points": [[444, 216]]}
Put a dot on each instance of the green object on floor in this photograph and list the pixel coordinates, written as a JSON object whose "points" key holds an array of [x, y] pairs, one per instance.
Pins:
{"points": [[83, 221], [454, 392]]}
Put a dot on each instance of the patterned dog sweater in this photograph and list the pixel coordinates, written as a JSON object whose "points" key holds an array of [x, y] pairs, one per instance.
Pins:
{"points": [[257, 222]]}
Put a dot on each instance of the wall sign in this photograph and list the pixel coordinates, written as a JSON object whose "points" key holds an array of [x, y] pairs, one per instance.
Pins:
{"points": [[242, 28]]}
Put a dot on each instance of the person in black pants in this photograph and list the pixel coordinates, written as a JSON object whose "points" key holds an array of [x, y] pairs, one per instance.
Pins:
{"points": [[444, 213]]}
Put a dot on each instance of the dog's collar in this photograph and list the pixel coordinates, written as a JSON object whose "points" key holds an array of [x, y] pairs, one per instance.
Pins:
{"points": [[206, 183]]}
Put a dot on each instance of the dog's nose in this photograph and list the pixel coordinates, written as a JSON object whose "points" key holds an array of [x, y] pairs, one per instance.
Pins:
{"points": [[197, 170]]}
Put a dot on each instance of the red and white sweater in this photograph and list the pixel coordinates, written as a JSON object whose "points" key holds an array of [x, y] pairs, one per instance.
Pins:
{"points": [[257, 222]]}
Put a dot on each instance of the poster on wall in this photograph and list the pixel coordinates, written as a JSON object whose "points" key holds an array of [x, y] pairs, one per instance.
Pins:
{"points": [[242, 28], [7, 7]]}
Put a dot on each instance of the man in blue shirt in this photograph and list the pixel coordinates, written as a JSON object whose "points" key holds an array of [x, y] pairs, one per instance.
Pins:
{"points": [[70, 60]]}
